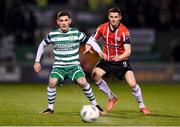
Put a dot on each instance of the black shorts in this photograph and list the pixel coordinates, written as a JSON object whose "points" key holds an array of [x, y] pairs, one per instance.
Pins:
{"points": [[117, 68]]}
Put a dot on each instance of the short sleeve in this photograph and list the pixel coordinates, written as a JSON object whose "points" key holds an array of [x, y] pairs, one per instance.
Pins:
{"points": [[98, 33], [127, 39]]}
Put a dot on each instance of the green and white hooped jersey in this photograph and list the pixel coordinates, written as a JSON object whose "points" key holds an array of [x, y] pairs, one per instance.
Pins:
{"points": [[66, 46]]}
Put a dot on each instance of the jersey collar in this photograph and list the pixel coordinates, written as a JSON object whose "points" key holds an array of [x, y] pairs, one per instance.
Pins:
{"points": [[115, 28]]}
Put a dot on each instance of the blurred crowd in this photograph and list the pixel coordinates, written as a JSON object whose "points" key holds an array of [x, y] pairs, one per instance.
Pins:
{"points": [[157, 14], [18, 22], [18, 18]]}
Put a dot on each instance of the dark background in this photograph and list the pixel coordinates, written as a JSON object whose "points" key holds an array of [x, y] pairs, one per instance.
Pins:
{"points": [[154, 26]]}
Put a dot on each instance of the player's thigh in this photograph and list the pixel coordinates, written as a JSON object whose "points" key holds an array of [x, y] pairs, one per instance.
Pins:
{"points": [[57, 76], [102, 67], [130, 78], [120, 68]]}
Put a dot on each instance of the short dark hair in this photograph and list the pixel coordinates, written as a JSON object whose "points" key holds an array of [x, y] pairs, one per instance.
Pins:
{"points": [[63, 13], [114, 9]]}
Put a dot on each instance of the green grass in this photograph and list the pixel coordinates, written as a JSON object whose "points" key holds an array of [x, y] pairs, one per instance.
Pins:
{"points": [[21, 103]]}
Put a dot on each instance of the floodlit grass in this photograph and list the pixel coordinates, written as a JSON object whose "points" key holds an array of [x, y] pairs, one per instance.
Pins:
{"points": [[21, 103]]}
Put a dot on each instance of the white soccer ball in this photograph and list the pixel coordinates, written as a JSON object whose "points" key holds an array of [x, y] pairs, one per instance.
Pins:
{"points": [[89, 113]]}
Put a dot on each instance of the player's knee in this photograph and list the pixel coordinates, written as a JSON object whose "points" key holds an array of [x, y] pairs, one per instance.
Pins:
{"points": [[83, 82], [132, 84], [95, 76], [52, 83]]}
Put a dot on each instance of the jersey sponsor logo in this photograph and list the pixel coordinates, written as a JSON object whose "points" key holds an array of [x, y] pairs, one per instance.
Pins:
{"points": [[65, 47]]}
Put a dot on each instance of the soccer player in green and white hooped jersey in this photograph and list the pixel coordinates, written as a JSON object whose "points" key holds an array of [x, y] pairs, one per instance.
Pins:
{"points": [[66, 42]]}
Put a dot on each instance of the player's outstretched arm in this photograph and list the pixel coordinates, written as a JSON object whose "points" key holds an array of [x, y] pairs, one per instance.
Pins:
{"points": [[40, 51], [91, 43]]}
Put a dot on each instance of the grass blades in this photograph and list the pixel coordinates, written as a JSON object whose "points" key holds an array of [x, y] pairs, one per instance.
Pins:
{"points": [[20, 105]]}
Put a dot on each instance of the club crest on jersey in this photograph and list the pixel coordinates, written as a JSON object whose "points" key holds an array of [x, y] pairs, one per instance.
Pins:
{"points": [[117, 38], [71, 38]]}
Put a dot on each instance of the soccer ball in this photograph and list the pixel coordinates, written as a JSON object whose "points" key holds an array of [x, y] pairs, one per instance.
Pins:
{"points": [[89, 113]]}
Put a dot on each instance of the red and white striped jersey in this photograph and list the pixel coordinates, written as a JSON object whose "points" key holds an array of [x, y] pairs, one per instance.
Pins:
{"points": [[113, 41]]}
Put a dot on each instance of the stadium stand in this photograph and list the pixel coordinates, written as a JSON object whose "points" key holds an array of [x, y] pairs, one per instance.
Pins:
{"points": [[154, 26]]}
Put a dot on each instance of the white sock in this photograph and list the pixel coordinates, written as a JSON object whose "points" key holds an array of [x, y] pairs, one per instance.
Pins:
{"points": [[102, 85], [51, 92], [137, 93]]}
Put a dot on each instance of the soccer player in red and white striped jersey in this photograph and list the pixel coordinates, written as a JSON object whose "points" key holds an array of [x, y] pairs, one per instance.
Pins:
{"points": [[113, 39], [116, 50]]}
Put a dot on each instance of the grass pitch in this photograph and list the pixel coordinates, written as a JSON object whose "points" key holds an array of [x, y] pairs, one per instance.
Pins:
{"points": [[21, 103]]}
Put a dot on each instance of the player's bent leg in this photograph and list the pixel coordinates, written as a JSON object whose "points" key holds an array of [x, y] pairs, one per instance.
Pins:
{"points": [[129, 76], [97, 74], [102, 85], [89, 93], [136, 91], [87, 89], [51, 92]]}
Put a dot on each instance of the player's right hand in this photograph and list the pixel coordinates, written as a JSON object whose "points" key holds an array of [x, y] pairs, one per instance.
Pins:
{"points": [[37, 67], [87, 49]]}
